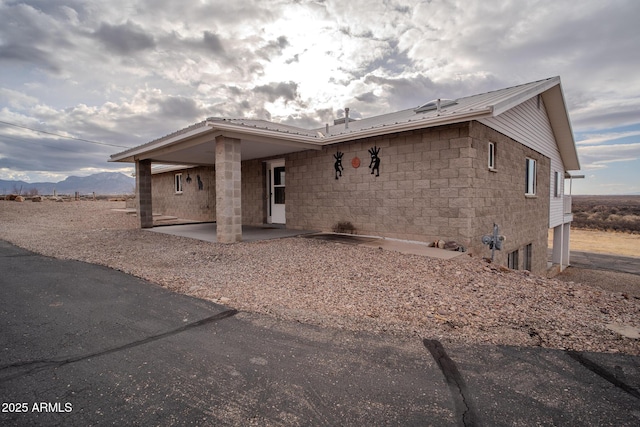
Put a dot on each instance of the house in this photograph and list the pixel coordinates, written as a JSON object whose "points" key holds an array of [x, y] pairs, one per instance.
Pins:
{"points": [[449, 169]]}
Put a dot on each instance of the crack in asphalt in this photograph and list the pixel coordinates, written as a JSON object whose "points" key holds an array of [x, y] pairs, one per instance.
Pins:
{"points": [[17, 256], [457, 387], [32, 366], [602, 372]]}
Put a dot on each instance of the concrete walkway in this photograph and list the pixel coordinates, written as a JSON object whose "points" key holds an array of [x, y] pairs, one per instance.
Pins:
{"points": [[207, 232]]}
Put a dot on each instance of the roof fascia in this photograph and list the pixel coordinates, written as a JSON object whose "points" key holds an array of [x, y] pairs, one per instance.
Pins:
{"points": [[526, 94], [555, 104], [267, 136]]}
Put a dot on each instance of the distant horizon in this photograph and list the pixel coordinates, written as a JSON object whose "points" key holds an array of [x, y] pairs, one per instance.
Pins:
{"points": [[68, 176], [130, 176]]}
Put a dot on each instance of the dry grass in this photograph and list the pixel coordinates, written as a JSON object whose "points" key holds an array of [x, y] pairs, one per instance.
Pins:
{"points": [[605, 224], [604, 242]]}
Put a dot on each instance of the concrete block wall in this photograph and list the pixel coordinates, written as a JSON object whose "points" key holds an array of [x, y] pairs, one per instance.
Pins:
{"points": [[422, 192], [192, 203], [228, 175], [201, 205], [433, 184], [254, 188], [144, 198], [499, 197]]}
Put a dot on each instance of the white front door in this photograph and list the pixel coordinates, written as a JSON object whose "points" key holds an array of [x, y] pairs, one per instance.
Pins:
{"points": [[275, 183]]}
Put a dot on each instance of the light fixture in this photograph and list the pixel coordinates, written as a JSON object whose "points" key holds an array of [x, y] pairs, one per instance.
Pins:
{"points": [[188, 179]]}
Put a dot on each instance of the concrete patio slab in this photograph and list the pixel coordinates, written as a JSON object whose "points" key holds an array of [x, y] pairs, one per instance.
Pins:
{"points": [[206, 231]]}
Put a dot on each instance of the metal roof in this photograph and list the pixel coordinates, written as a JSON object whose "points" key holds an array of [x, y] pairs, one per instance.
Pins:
{"points": [[259, 132]]}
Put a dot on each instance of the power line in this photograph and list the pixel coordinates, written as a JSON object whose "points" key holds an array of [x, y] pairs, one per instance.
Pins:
{"points": [[63, 136], [49, 146]]}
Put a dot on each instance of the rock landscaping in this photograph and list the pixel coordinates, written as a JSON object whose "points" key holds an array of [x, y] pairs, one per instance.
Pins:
{"points": [[337, 285]]}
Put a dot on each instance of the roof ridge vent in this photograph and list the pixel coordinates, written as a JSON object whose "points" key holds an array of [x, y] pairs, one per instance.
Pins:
{"points": [[435, 104]]}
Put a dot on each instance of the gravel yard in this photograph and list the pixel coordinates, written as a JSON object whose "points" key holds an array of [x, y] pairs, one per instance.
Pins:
{"points": [[337, 285]]}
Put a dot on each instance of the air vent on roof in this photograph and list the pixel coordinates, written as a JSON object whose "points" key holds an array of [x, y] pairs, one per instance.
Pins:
{"points": [[436, 104], [342, 120]]}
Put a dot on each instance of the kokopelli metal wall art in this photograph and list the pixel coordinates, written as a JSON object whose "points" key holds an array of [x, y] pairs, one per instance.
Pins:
{"points": [[375, 160], [338, 164]]}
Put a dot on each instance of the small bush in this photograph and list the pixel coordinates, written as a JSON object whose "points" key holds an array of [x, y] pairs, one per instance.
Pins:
{"points": [[344, 227]]}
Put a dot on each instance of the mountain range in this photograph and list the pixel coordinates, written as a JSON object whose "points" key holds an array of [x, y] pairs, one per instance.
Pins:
{"points": [[104, 183]]}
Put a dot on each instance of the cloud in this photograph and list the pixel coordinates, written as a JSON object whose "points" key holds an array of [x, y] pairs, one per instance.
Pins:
{"points": [[273, 48], [28, 54], [33, 153], [124, 39], [598, 138], [600, 156], [128, 71], [173, 107], [287, 91], [212, 42]]}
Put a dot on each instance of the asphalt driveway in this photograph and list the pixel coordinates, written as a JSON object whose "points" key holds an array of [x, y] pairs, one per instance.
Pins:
{"points": [[592, 260], [86, 345]]}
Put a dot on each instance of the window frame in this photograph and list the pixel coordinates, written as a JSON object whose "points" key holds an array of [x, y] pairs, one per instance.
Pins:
{"points": [[530, 174], [177, 183], [491, 160], [528, 257], [557, 191], [513, 260]]}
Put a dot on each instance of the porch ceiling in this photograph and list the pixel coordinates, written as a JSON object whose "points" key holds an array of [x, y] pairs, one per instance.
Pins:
{"points": [[198, 147], [205, 153]]}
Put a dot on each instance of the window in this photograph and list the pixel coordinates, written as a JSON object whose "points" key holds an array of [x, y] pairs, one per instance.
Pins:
{"points": [[178, 183], [492, 155], [512, 260], [528, 254], [556, 184], [530, 177], [278, 185]]}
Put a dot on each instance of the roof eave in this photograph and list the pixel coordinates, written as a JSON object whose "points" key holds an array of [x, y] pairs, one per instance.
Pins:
{"points": [[267, 135], [213, 130], [131, 155]]}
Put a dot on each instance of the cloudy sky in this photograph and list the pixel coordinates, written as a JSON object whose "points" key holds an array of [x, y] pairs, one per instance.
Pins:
{"points": [[96, 77]]}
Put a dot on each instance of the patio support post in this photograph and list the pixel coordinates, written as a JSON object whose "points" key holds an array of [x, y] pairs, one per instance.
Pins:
{"points": [[228, 190], [561, 236], [143, 193]]}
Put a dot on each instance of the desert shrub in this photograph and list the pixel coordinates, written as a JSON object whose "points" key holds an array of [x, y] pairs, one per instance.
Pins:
{"points": [[607, 213], [344, 227]]}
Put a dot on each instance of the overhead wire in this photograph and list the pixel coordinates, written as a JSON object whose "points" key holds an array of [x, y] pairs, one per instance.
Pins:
{"points": [[63, 136], [49, 146]]}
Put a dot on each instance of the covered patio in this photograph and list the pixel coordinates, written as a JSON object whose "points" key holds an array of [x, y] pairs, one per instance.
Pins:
{"points": [[223, 144]]}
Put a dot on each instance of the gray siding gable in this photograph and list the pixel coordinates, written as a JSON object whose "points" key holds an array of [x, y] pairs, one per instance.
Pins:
{"points": [[528, 123]]}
